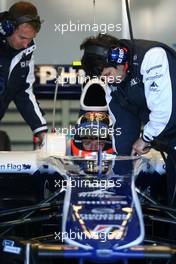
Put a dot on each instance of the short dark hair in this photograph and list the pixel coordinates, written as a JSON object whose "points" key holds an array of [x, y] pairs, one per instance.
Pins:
{"points": [[93, 64], [21, 9], [103, 40]]}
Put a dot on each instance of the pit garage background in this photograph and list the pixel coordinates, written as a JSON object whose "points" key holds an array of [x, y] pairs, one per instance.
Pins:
{"points": [[153, 20]]}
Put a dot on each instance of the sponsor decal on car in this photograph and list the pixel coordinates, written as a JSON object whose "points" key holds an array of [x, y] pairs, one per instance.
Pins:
{"points": [[14, 167], [103, 202], [100, 194], [9, 247], [105, 217], [102, 210]]}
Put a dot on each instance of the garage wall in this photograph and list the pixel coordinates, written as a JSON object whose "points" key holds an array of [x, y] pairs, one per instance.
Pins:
{"points": [[154, 20]]}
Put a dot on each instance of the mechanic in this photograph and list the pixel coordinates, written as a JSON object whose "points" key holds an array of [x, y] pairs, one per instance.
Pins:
{"points": [[18, 27], [143, 93]]}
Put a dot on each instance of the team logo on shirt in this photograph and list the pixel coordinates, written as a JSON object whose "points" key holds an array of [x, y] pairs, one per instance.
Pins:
{"points": [[153, 68], [154, 87], [24, 64], [157, 76], [134, 81]]}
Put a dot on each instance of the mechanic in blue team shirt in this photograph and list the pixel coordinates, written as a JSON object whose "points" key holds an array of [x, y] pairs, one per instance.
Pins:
{"points": [[143, 92], [18, 27]]}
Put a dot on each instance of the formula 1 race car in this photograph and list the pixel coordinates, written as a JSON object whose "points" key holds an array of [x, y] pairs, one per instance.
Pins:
{"points": [[91, 205]]}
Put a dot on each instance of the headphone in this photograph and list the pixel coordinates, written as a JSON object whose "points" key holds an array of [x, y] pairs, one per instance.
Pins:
{"points": [[8, 25], [112, 55]]}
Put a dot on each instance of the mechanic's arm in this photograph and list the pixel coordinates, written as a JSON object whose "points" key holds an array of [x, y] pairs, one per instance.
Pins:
{"points": [[27, 105], [158, 93]]}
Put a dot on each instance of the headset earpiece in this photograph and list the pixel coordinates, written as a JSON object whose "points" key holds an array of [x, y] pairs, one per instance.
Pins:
{"points": [[118, 55], [7, 26]]}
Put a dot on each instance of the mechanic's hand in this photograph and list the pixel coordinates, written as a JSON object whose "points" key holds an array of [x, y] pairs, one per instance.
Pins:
{"points": [[38, 139], [140, 147]]}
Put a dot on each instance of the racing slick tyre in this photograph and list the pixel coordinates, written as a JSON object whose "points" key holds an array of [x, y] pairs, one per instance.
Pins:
{"points": [[5, 144]]}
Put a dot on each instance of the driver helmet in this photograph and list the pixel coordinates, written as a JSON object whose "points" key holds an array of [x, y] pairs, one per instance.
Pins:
{"points": [[92, 133]]}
